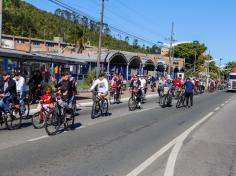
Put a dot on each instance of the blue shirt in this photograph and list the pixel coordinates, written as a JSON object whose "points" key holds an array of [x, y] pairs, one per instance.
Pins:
{"points": [[189, 87]]}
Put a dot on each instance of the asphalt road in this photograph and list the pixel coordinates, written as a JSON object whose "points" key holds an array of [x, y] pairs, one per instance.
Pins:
{"points": [[108, 146]]}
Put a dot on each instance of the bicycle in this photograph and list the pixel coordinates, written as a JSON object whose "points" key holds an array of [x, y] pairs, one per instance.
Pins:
{"points": [[181, 99], [133, 100], [100, 106], [24, 105], [39, 118], [114, 96], [11, 119], [59, 116], [165, 99]]}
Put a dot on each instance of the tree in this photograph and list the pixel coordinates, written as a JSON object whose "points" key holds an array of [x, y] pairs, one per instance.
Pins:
{"points": [[189, 51], [106, 29], [230, 65], [85, 21], [127, 39], [155, 49], [135, 43], [58, 12]]}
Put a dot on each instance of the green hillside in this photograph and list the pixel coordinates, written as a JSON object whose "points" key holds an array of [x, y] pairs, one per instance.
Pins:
{"points": [[23, 19]]}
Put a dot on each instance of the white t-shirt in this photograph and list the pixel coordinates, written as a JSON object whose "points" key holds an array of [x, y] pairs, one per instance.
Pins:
{"points": [[20, 85], [143, 83], [102, 85]]}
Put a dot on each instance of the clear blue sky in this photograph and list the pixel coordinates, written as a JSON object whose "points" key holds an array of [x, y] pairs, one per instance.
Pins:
{"points": [[209, 21]]}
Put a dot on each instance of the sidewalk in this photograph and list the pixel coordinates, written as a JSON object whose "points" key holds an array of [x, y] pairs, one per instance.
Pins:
{"points": [[211, 150]]}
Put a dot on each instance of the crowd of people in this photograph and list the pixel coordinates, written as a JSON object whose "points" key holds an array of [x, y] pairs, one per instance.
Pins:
{"points": [[13, 88]]}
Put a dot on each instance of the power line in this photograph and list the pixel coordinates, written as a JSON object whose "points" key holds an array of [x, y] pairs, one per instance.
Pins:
{"points": [[79, 12], [135, 11], [131, 21]]}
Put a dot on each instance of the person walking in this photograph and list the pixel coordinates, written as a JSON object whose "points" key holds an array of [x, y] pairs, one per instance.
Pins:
{"points": [[189, 88]]}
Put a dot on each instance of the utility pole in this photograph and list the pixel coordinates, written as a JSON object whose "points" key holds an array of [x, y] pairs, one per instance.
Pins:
{"points": [[220, 69], [195, 60], [0, 23], [100, 40], [171, 44]]}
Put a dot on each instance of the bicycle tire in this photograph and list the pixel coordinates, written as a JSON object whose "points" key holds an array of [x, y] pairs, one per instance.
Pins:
{"points": [[132, 104], [70, 122], [52, 123], [118, 98], [104, 106], [37, 118], [112, 98], [95, 110], [14, 119], [164, 101], [178, 103], [26, 115]]}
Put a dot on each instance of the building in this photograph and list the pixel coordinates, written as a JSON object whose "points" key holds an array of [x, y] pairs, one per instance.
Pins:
{"points": [[112, 61]]}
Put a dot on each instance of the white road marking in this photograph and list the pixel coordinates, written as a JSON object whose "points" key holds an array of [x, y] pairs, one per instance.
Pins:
{"points": [[216, 109], [80, 127], [222, 105], [170, 167], [38, 138], [164, 149]]}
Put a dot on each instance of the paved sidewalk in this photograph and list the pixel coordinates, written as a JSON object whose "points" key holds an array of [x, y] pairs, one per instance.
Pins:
{"points": [[211, 150]]}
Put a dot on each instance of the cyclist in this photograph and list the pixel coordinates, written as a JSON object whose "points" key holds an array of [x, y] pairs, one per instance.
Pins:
{"points": [[66, 90], [9, 92], [136, 85], [116, 84], [35, 85], [160, 85], [102, 86], [143, 86], [21, 90], [170, 85]]}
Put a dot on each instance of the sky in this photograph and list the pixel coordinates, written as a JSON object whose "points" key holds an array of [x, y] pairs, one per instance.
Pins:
{"points": [[211, 22]]}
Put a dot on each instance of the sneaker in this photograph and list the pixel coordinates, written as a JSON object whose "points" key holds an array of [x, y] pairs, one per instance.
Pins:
{"points": [[139, 104]]}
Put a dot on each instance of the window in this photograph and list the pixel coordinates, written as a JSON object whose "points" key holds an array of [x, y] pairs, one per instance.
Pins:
{"points": [[36, 43], [232, 76], [20, 41], [50, 44]]}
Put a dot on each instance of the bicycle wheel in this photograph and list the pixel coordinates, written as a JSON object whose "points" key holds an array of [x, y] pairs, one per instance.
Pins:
{"points": [[112, 97], [118, 97], [38, 120], [52, 122], [132, 104], [164, 101], [26, 114], [104, 106], [95, 110], [161, 100], [178, 103], [13, 119], [70, 118]]}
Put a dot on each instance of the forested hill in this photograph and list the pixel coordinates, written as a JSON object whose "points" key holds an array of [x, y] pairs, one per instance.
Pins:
{"points": [[23, 19]]}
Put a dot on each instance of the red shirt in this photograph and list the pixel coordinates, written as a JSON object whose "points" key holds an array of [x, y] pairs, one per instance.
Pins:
{"points": [[178, 83], [47, 98]]}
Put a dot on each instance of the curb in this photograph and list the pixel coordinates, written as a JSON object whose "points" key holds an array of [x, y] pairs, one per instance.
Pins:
{"points": [[123, 99]]}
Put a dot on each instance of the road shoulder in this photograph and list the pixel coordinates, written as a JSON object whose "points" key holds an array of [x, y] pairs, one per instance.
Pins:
{"points": [[211, 150]]}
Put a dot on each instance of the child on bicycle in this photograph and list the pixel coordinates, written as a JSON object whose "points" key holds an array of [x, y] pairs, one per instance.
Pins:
{"points": [[47, 100]]}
